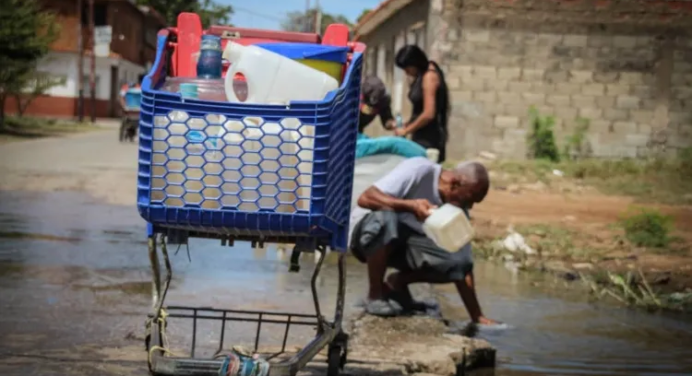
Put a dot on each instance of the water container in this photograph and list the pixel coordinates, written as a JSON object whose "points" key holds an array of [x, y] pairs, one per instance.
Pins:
{"points": [[206, 89], [209, 62], [449, 228], [328, 59], [133, 98], [272, 78]]}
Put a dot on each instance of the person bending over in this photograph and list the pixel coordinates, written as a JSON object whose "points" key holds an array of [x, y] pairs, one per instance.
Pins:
{"points": [[388, 232]]}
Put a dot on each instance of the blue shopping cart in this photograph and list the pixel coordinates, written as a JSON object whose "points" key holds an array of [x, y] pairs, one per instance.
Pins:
{"points": [[236, 172]]}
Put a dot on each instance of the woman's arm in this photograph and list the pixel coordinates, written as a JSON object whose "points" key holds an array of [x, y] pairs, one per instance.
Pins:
{"points": [[431, 81]]}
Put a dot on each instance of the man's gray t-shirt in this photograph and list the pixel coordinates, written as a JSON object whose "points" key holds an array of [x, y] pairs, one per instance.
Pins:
{"points": [[413, 178]]}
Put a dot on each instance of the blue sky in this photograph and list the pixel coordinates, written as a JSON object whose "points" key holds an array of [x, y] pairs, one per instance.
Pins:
{"points": [[267, 14]]}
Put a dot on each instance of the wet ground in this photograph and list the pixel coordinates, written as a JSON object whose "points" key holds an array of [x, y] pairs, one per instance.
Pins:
{"points": [[74, 290], [74, 283]]}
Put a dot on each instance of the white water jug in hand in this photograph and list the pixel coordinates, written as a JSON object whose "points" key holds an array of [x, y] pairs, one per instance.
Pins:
{"points": [[272, 78], [449, 228]]}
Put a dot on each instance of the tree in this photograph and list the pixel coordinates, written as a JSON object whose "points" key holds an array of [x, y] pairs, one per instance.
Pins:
{"points": [[305, 22], [209, 11], [26, 33], [37, 84], [362, 14]]}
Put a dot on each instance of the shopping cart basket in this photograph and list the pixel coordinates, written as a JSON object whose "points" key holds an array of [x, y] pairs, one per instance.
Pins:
{"points": [[283, 174]]}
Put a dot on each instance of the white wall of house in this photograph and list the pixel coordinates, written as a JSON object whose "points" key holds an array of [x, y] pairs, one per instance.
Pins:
{"points": [[65, 65]]}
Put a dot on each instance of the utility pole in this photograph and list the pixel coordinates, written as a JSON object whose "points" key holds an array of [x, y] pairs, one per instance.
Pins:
{"points": [[80, 62], [318, 18], [306, 19], [92, 74]]}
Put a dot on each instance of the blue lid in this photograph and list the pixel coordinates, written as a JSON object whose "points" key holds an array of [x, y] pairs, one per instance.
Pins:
{"points": [[308, 51]]}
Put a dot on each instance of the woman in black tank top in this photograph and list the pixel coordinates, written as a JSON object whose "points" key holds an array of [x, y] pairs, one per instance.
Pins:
{"points": [[430, 99]]}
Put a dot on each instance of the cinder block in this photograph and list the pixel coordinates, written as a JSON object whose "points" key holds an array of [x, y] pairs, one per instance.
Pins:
{"points": [[605, 103], [600, 126], [459, 95], [532, 74], [565, 112], [461, 70], [506, 122], [485, 96], [621, 41], [642, 91], [580, 76], [519, 87], [637, 139], [615, 115], [593, 89], [476, 35], [533, 99], [485, 72], [566, 88], [618, 89], [509, 98], [558, 100], [644, 128], [625, 127], [631, 78], [575, 41], [509, 73], [453, 83], [642, 116], [518, 110], [581, 101], [591, 113], [627, 102], [473, 84]]}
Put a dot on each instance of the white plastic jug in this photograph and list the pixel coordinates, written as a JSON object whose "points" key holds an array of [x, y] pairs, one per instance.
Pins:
{"points": [[272, 78], [449, 228]]}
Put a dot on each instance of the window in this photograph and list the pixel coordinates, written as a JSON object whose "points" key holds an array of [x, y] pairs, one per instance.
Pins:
{"points": [[100, 15]]}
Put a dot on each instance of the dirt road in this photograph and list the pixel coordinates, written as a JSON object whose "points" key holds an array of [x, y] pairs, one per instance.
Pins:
{"points": [[91, 162]]}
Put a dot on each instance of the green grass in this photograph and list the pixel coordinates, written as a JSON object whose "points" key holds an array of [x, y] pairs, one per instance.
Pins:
{"points": [[667, 181], [22, 128]]}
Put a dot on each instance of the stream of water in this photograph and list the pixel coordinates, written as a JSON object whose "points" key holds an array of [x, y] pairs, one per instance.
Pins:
{"points": [[75, 270]]}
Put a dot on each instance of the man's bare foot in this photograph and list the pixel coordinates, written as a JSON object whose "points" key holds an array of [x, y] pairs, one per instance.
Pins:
{"points": [[486, 321]]}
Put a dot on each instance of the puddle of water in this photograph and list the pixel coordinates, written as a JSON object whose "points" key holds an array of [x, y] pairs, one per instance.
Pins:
{"points": [[97, 290], [32, 236]]}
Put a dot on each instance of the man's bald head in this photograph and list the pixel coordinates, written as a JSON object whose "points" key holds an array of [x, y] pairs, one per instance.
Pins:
{"points": [[476, 176]]}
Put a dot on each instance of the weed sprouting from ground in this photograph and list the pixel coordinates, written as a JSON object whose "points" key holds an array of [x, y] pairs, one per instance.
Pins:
{"points": [[647, 228], [542, 139]]}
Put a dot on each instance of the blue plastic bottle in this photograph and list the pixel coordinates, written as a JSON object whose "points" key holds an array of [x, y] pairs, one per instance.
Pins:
{"points": [[209, 62]]}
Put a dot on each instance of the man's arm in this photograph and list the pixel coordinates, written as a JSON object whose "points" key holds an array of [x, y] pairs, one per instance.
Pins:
{"points": [[386, 116], [374, 199]]}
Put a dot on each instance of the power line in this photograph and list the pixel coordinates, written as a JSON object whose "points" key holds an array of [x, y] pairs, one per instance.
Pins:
{"points": [[258, 14]]}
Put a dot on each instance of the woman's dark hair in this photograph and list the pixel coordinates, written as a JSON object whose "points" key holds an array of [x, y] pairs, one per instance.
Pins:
{"points": [[412, 56]]}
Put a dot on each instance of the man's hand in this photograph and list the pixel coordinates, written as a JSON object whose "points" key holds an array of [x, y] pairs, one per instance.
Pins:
{"points": [[401, 132], [421, 208], [390, 125]]}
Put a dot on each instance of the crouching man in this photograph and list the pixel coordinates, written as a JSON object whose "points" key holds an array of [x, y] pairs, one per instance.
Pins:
{"points": [[388, 232]]}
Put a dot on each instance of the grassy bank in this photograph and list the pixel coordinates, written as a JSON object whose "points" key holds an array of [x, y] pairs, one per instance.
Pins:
{"points": [[24, 128], [614, 264], [659, 180]]}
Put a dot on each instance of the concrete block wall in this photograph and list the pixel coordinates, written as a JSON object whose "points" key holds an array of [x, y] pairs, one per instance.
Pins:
{"points": [[631, 78]]}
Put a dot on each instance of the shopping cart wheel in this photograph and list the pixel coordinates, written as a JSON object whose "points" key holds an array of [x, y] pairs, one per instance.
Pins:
{"points": [[337, 354]]}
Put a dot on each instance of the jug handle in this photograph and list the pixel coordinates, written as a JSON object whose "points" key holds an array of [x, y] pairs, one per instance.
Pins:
{"points": [[230, 93]]}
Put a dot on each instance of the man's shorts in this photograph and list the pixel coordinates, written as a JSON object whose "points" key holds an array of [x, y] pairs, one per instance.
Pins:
{"points": [[410, 250]]}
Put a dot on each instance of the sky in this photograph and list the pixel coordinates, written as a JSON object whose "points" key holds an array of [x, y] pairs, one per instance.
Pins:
{"points": [[268, 14]]}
